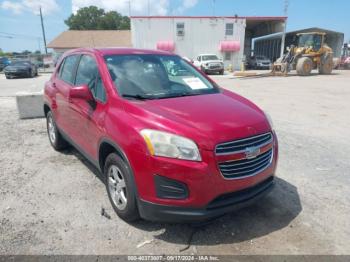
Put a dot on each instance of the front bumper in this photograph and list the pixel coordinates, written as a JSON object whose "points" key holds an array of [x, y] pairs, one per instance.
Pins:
{"points": [[220, 206], [216, 69], [264, 65], [202, 183], [16, 73]]}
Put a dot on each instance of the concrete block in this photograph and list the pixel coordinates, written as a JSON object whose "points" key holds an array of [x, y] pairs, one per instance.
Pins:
{"points": [[30, 105]]}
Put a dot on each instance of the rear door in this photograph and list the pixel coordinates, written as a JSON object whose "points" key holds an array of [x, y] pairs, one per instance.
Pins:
{"points": [[63, 83]]}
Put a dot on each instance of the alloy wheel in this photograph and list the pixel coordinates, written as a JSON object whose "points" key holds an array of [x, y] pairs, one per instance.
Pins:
{"points": [[117, 187], [51, 129]]}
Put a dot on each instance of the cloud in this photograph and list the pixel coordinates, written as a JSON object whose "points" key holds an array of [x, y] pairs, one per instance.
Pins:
{"points": [[186, 4], [137, 7], [17, 7]]}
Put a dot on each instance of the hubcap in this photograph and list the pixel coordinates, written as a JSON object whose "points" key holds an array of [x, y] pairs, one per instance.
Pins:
{"points": [[52, 130], [117, 187]]}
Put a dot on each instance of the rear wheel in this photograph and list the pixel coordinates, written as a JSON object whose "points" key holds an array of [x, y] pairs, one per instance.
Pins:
{"points": [[304, 66], [55, 138], [326, 65], [120, 188]]}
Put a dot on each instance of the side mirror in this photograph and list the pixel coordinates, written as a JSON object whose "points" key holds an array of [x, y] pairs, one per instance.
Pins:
{"points": [[81, 92]]}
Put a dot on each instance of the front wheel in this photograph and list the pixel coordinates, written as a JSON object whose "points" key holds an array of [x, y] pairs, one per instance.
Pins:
{"points": [[304, 66], [121, 188]]}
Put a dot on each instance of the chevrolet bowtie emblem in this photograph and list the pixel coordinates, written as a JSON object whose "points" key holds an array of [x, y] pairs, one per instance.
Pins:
{"points": [[252, 152]]}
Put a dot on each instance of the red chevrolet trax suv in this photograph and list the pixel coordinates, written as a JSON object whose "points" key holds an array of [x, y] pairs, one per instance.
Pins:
{"points": [[172, 146]]}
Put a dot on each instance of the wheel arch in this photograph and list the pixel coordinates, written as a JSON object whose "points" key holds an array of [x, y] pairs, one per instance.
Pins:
{"points": [[107, 147], [46, 109]]}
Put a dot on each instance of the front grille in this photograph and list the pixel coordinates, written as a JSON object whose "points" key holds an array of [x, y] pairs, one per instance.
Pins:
{"points": [[246, 167], [240, 145]]}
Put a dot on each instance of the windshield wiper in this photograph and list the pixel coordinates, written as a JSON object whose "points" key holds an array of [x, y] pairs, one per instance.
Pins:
{"points": [[172, 95], [139, 97]]}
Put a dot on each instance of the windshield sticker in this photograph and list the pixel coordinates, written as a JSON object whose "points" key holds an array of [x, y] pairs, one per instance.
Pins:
{"points": [[194, 83]]}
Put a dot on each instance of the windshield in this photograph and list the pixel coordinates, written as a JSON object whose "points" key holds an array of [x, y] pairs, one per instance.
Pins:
{"points": [[209, 57], [156, 76], [310, 41], [20, 63]]}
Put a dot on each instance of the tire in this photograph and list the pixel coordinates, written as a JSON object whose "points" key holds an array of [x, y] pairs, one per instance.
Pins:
{"points": [[221, 72], [7, 77], [304, 66], [326, 65], [120, 187], [55, 138]]}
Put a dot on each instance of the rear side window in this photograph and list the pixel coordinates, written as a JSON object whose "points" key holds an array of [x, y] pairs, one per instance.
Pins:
{"points": [[88, 74], [67, 69]]}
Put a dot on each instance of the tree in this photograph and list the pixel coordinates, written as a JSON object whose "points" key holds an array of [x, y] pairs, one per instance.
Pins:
{"points": [[94, 18]]}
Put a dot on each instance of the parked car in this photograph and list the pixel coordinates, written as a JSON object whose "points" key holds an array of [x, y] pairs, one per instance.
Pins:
{"points": [[171, 147], [4, 61], [20, 69], [209, 63], [259, 62]]}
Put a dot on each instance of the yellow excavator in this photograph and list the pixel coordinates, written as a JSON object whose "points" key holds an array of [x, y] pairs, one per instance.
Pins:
{"points": [[311, 52]]}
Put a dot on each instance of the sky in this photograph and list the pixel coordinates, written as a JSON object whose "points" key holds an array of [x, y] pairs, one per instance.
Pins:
{"points": [[20, 23]]}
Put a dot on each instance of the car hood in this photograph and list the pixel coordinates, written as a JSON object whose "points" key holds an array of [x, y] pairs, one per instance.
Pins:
{"points": [[207, 119], [16, 67], [212, 61]]}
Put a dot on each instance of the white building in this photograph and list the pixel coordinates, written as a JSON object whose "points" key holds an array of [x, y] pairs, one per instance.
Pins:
{"points": [[228, 37]]}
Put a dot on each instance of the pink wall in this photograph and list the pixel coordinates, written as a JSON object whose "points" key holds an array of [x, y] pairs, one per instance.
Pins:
{"points": [[229, 46], [166, 45]]}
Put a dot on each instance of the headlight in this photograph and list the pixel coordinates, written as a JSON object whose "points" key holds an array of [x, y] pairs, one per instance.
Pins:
{"points": [[269, 119], [169, 145]]}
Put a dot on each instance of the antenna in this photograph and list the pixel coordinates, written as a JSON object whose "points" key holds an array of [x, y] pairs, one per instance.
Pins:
{"points": [[285, 12]]}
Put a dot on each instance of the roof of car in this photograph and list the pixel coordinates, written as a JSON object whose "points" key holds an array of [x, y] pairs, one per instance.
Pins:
{"points": [[121, 51]]}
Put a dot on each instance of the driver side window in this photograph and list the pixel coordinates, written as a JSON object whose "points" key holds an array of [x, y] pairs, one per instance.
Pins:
{"points": [[88, 74]]}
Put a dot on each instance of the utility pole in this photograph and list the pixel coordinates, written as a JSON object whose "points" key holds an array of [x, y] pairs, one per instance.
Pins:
{"points": [[43, 29], [285, 11]]}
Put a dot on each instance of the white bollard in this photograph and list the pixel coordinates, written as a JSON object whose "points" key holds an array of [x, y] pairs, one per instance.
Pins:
{"points": [[30, 105]]}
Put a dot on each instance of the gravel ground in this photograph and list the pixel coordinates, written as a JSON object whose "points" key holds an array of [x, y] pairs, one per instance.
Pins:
{"points": [[51, 202]]}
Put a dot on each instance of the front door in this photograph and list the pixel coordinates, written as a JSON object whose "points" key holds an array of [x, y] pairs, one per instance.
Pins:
{"points": [[90, 115]]}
